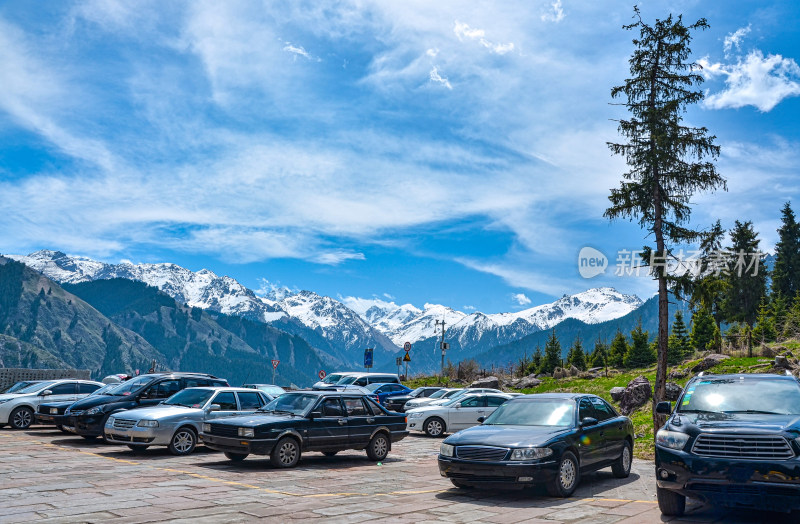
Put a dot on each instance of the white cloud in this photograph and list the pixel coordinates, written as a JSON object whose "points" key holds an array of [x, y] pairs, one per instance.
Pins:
{"points": [[464, 31], [298, 51], [468, 308], [516, 277], [757, 80], [555, 13], [734, 40], [439, 79], [520, 299]]}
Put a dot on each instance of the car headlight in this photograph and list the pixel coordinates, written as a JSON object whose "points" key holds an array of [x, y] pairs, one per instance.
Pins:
{"points": [[414, 415], [110, 422], [531, 453], [246, 432], [94, 410], [206, 428], [671, 439], [446, 450], [54, 411], [147, 423]]}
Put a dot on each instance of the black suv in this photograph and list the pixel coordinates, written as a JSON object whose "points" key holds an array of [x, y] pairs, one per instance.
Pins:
{"points": [[733, 440], [87, 417], [326, 421]]}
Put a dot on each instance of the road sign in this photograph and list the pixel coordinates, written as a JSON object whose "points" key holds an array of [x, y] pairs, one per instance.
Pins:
{"points": [[407, 346], [368, 357], [275, 363], [321, 374], [444, 345], [137, 372], [397, 361], [407, 358]]}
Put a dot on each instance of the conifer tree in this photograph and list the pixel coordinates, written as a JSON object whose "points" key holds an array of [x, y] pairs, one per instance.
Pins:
{"points": [[599, 357], [709, 284], [641, 353], [668, 162], [537, 359], [786, 272], [764, 330], [702, 329], [791, 324], [552, 354], [678, 341], [747, 279], [576, 356], [618, 350]]}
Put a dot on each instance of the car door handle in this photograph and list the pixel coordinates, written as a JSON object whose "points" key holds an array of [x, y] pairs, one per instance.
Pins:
{"points": [[342, 421], [370, 420]]}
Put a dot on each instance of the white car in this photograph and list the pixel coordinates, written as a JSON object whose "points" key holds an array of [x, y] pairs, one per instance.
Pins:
{"points": [[17, 408], [455, 414], [452, 394], [442, 394]]}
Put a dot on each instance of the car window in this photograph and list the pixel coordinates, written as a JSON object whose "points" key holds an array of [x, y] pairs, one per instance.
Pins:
{"points": [[163, 389], [197, 382], [226, 401], [67, 388], [473, 402], [250, 400], [219, 383], [87, 388], [363, 381], [493, 401], [602, 409], [355, 407], [585, 409], [373, 407], [331, 407]]}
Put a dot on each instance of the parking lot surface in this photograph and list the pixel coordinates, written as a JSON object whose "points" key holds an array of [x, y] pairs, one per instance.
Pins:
{"points": [[47, 476]]}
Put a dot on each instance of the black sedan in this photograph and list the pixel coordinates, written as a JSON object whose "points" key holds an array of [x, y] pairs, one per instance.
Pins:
{"points": [[549, 439], [296, 422], [397, 403]]}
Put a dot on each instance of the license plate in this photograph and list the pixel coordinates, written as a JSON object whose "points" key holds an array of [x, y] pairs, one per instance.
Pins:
{"points": [[69, 428]]}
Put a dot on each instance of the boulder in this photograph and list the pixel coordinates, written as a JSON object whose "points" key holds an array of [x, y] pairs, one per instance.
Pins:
{"points": [[559, 373], [574, 371], [766, 351], [636, 394], [543, 375], [709, 362], [672, 392], [488, 382], [616, 393], [595, 370], [678, 373], [588, 376], [782, 362], [528, 382]]}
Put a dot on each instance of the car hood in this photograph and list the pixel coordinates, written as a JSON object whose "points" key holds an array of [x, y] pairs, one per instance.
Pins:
{"points": [[60, 404], [506, 436], [426, 408], [401, 397], [9, 396], [255, 419], [736, 422], [98, 400], [160, 412]]}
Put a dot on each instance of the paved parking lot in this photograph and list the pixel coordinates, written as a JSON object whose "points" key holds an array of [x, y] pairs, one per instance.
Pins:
{"points": [[48, 476]]}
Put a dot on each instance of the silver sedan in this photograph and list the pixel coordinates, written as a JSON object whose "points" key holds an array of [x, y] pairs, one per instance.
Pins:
{"points": [[177, 421]]}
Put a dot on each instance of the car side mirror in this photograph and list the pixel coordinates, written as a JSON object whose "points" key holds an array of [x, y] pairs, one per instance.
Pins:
{"points": [[481, 419], [215, 407], [588, 421], [664, 408], [314, 414], [45, 393]]}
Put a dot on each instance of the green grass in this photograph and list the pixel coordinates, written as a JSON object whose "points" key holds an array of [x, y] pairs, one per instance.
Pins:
{"points": [[643, 417]]}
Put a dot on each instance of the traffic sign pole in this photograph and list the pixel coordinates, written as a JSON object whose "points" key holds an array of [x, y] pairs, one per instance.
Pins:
{"points": [[274, 367]]}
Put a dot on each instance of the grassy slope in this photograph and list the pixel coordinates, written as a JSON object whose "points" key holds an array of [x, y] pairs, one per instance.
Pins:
{"points": [[643, 417]]}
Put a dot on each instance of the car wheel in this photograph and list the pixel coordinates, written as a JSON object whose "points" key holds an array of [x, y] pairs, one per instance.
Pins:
{"points": [[435, 427], [378, 447], [670, 503], [183, 441], [136, 449], [459, 484], [235, 457], [329, 453], [286, 453], [622, 467], [567, 476], [21, 418]]}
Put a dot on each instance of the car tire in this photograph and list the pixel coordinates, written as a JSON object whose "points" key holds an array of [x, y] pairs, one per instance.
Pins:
{"points": [[21, 418], [566, 478], [183, 441], [622, 466], [235, 457], [286, 453], [435, 427], [329, 453], [459, 484], [378, 447], [670, 503]]}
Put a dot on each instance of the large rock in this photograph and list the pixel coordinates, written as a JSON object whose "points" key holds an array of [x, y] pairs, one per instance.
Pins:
{"points": [[488, 382], [782, 362], [574, 371], [709, 362], [616, 393], [559, 373], [636, 394], [672, 392], [678, 373]]}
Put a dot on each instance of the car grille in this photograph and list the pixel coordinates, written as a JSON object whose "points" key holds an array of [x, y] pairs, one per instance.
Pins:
{"points": [[747, 447], [487, 453], [224, 430], [75, 413], [123, 423], [480, 478]]}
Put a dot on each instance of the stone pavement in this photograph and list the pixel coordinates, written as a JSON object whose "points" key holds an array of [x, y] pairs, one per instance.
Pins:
{"points": [[47, 476]]}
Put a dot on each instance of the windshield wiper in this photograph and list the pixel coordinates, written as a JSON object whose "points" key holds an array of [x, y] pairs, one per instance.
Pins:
{"points": [[278, 411], [756, 411]]}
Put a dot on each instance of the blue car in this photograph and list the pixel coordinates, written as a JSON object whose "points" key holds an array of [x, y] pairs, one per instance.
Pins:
{"points": [[384, 391]]}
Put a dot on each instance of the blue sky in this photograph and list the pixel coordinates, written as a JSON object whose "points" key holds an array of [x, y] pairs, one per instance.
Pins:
{"points": [[443, 152]]}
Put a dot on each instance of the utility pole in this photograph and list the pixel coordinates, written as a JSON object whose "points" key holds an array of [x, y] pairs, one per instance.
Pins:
{"points": [[442, 344]]}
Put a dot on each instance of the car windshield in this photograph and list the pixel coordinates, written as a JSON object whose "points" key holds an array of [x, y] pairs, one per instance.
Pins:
{"points": [[734, 395], [271, 390], [440, 394], [548, 412], [417, 392], [102, 391], [19, 385], [372, 387], [346, 380], [190, 398], [36, 387], [126, 388], [453, 401], [333, 378], [297, 403]]}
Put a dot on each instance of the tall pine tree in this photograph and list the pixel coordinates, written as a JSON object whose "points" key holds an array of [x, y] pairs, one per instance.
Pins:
{"points": [[576, 356], [702, 330], [640, 354], [599, 357], [786, 272], [669, 162], [747, 278], [618, 350], [679, 346], [552, 354]]}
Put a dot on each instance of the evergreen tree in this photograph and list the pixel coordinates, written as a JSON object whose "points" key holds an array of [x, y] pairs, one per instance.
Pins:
{"points": [[537, 359], [552, 354], [618, 350], [709, 285], [641, 353], [778, 310], [791, 324], [599, 357], [702, 329], [679, 346], [747, 279], [786, 272], [669, 162], [576, 356], [764, 330]]}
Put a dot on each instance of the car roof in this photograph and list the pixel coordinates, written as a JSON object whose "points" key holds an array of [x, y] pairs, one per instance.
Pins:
{"points": [[744, 376], [224, 388], [562, 396]]}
